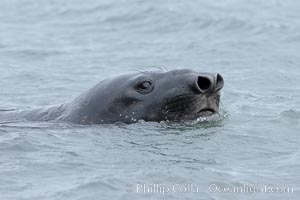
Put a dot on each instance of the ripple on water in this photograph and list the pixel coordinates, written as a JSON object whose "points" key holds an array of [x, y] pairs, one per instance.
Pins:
{"points": [[290, 114], [46, 45]]}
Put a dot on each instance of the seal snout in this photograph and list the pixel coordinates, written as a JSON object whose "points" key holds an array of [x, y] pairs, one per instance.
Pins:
{"points": [[219, 82], [209, 83]]}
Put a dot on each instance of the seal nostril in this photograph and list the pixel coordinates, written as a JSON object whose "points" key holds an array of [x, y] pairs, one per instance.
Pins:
{"points": [[203, 83], [219, 82]]}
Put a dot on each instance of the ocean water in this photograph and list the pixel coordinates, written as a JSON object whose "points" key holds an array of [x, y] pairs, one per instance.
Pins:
{"points": [[51, 51]]}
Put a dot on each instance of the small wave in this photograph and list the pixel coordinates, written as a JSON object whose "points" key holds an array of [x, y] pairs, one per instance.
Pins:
{"points": [[7, 110], [224, 24], [290, 114], [216, 120], [34, 53], [211, 121], [18, 144], [95, 185]]}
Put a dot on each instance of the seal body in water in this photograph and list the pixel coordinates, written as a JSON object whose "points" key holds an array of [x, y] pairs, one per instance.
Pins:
{"points": [[175, 95]]}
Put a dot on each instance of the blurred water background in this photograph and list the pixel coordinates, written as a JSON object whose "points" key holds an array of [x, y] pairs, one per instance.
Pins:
{"points": [[51, 51]]}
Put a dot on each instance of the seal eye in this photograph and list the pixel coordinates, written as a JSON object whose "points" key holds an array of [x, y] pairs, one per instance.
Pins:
{"points": [[144, 87]]}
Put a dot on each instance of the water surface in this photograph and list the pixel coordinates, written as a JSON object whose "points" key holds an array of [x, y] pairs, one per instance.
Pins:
{"points": [[51, 51]]}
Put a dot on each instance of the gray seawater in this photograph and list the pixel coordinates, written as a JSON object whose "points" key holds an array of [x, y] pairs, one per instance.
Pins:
{"points": [[51, 51]]}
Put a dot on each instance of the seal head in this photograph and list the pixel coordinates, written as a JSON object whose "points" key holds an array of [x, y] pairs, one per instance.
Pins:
{"points": [[150, 96]]}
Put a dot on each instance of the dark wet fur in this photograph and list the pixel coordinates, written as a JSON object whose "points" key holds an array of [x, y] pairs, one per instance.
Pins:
{"points": [[181, 105], [185, 106]]}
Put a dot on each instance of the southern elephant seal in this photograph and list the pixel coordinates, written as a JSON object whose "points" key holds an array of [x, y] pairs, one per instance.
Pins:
{"points": [[150, 96]]}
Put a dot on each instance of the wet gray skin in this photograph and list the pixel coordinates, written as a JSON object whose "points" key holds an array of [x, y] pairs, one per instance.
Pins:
{"points": [[176, 95]]}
